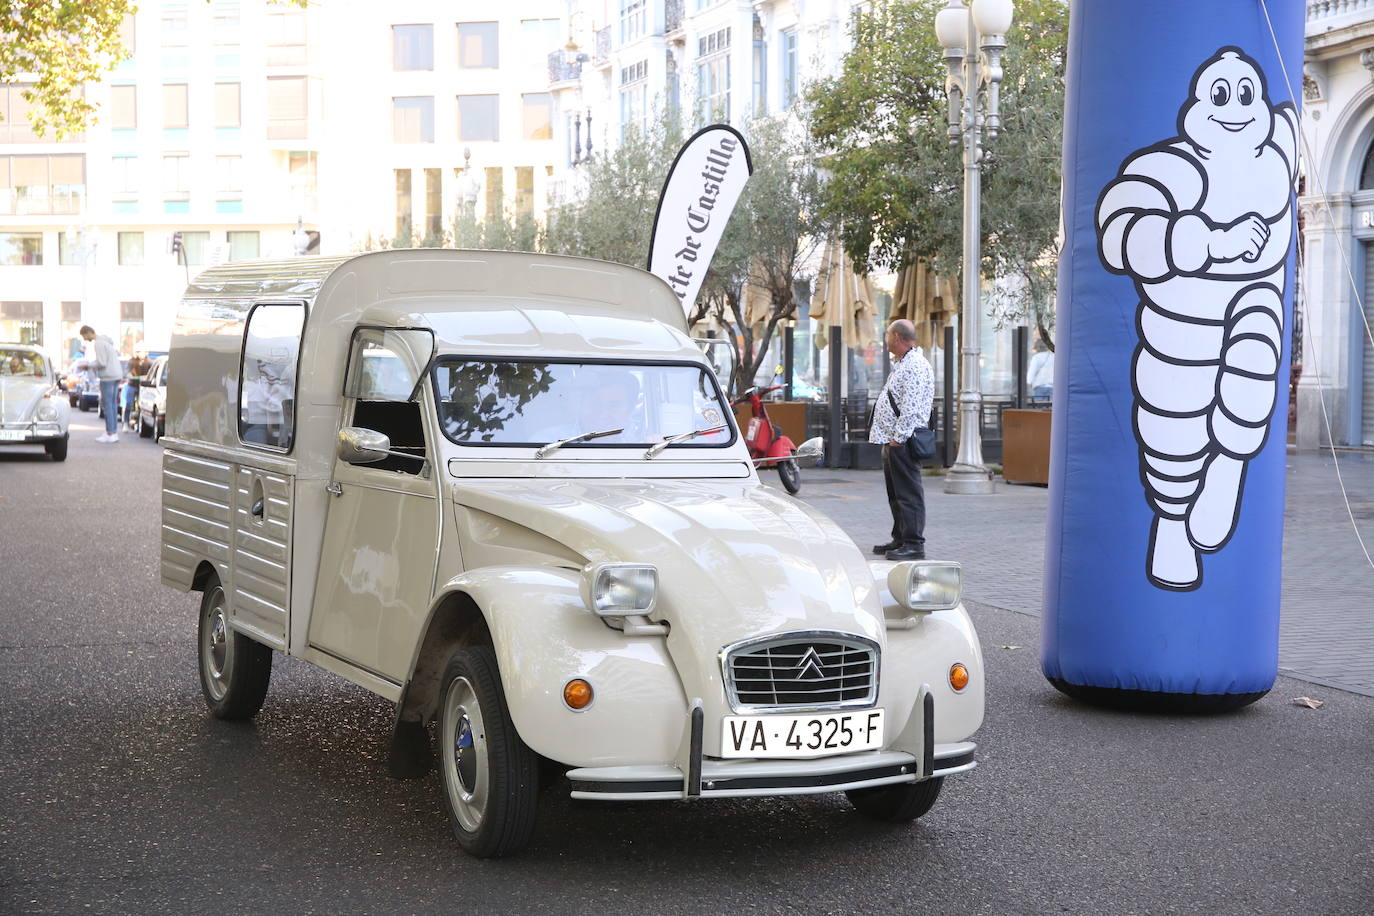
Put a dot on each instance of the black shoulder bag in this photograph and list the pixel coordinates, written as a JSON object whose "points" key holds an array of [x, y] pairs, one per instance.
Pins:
{"points": [[921, 445]]}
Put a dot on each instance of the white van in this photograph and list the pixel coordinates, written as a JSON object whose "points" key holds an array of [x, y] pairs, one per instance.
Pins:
{"points": [[506, 492]]}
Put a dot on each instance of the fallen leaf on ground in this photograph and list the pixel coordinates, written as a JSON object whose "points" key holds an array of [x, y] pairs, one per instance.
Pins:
{"points": [[1011, 647], [1308, 702]]}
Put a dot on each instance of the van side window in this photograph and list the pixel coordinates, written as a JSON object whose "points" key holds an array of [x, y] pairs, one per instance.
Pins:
{"points": [[267, 382], [384, 368]]}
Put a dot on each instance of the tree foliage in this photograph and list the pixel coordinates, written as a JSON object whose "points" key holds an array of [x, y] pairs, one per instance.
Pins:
{"points": [[60, 45], [895, 181]]}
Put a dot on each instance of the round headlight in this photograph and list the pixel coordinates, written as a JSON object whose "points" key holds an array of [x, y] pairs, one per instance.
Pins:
{"points": [[47, 413]]}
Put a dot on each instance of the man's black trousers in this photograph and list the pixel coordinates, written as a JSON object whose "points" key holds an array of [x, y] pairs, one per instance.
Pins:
{"points": [[905, 496]]}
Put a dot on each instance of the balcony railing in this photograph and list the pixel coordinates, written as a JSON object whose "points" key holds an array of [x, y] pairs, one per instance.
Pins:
{"points": [[562, 70], [672, 20], [1323, 9]]}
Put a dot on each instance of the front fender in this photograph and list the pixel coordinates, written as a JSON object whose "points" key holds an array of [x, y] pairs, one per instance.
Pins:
{"points": [[543, 636], [781, 447]]}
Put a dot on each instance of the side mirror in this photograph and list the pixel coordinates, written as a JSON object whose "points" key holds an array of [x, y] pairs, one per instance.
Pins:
{"points": [[362, 446], [810, 451]]}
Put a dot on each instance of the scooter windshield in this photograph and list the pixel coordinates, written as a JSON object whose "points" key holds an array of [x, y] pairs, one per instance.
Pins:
{"points": [[532, 402]]}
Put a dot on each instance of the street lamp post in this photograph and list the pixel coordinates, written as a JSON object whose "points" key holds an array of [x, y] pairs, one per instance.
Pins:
{"points": [[972, 87]]}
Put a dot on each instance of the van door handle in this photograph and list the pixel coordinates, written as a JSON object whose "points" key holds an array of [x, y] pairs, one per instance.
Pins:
{"points": [[257, 508], [334, 487]]}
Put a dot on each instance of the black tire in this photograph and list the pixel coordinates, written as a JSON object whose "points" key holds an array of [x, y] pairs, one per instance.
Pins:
{"points": [[234, 670], [790, 474], [490, 777], [159, 427], [144, 430], [896, 804], [84, 408], [57, 449]]}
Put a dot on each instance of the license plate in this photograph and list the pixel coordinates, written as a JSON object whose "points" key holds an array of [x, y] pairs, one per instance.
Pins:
{"points": [[813, 735], [13, 435]]}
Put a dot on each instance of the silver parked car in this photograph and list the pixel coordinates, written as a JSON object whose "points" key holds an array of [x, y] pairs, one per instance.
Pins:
{"points": [[152, 401], [33, 410]]}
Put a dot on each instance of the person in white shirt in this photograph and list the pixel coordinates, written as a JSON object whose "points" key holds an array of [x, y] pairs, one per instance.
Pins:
{"points": [[1040, 373], [910, 389]]}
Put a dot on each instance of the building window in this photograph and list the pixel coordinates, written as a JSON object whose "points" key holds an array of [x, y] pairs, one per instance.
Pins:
{"points": [[496, 191], [124, 175], [479, 117], [405, 206], [538, 116], [539, 38], [21, 249], [14, 108], [68, 248], [22, 322], [303, 168], [760, 71], [412, 47], [633, 20], [286, 108], [71, 331], [243, 245], [524, 190], [42, 185], [131, 249], [196, 246], [175, 105], [412, 119], [713, 77], [127, 35], [434, 203], [634, 98], [123, 107], [228, 105], [227, 175], [176, 175], [226, 22], [267, 385], [789, 67], [285, 37], [477, 45], [130, 327], [174, 24]]}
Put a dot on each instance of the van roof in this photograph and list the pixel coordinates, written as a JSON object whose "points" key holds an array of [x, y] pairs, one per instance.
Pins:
{"points": [[464, 279]]}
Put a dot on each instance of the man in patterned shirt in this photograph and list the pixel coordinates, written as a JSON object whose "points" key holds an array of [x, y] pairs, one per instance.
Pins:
{"points": [[912, 387]]}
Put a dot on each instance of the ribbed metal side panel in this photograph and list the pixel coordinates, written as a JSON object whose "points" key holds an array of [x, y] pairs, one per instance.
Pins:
{"points": [[262, 545], [195, 515]]}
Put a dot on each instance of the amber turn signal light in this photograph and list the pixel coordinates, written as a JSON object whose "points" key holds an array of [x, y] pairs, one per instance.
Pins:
{"points": [[577, 693], [958, 676]]}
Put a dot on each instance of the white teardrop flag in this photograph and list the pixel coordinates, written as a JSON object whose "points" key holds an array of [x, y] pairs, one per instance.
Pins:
{"points": [[699, 194]]}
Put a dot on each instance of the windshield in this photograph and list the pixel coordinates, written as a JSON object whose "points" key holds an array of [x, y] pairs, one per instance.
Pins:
{"points": [[24, 363], [535, 402]]}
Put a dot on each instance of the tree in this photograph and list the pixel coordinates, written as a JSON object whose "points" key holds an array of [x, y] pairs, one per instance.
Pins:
{"points": [[63, 44], [896, 183]]}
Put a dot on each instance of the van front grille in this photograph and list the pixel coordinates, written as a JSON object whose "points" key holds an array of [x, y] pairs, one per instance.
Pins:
{"points": [[802, 671]]}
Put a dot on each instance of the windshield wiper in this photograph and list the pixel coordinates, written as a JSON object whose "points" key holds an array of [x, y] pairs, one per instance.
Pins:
{"points": [[682, 437], [546, 450]]}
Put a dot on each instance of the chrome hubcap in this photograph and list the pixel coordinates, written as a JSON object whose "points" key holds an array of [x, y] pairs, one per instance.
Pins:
{"points": [[215, 644], [466, 775]]}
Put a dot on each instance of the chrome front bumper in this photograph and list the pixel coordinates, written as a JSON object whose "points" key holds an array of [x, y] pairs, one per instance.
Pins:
{"points": [[735, 778]]}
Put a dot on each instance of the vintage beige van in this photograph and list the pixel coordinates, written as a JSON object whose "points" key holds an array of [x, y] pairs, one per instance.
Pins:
{"points": [[505, 492]]}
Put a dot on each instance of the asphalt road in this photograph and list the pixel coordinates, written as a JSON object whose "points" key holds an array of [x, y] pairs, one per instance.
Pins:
{"points": [[118, 794]]}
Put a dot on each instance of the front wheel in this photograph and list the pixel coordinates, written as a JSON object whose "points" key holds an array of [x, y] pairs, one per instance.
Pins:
{"points": [[57, 448], [491, 778], [899, 803], [790, 474], [145, 431], [234, 670]]}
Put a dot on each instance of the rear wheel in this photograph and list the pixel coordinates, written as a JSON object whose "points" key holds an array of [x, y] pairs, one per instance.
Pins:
{"points": [[57, 449], [491, 778], [905, 802], [144, 430], [790, 474], [159, 427], [234, 670]]}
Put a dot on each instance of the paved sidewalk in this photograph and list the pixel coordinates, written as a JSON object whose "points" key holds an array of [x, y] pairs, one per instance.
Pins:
{"points": [[1326, 631]]}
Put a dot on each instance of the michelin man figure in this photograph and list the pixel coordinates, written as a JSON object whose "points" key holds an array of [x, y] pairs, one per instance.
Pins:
{"points": [[1202, 223]]}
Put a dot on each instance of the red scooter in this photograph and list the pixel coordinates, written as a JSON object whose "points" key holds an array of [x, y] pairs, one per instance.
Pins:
{"points": [[767, 445]]}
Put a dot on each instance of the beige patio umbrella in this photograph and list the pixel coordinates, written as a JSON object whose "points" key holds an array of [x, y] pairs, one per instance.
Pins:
{"points": [[843, 298], [928, 299]]}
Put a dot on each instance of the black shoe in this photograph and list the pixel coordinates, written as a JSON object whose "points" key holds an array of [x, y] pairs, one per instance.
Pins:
{"points": [[882, 550], [907, 553]]}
